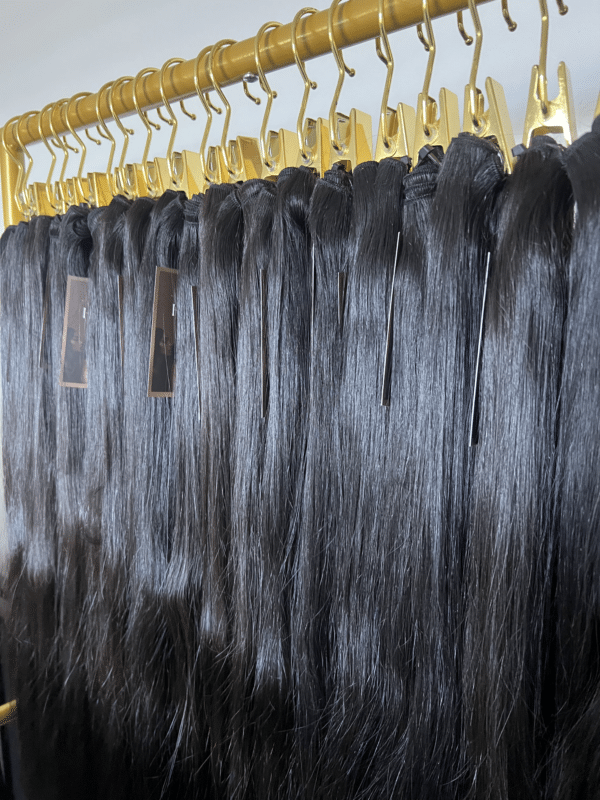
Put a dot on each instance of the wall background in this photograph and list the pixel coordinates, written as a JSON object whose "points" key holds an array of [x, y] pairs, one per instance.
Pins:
{"points": [[50, 50]]}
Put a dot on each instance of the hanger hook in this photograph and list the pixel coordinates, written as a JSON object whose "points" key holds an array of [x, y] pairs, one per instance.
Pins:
{"points": [[55, 139], [75, 99], [271, 94], [23, 180], [208, 107], [62, 143], [15, 123], [172, 121], [147, 122], [543, 80], [468, 40], [388, 59], [117, 181], [512, 25], [342, 68], [429, 44], [562, 8], [103, 129], [211, 56], [308, 84], [473, 91]]}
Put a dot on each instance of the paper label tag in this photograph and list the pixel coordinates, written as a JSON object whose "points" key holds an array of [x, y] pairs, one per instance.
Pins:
{"points": [[73, 363], [161, 374]]}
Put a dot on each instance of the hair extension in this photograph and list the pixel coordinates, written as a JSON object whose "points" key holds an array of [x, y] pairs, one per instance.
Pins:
{"points": [[147, 429], [221, 244], [250, 699], [460, 227], [355, 744], [506, 576], [575, 767], [184, 575], [312, 640], [31, 624], [103, 481]]}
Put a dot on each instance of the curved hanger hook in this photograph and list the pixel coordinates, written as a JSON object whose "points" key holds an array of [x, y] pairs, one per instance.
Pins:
{"points": [[512, 26], [429, 44], [308, 84], [208, 107], [172, 121], [62, 143], [58, 207], [473, 92], [388, 59], [103, 129], [15, 122], [45, 140], [127, 132], [211, 55], [148, 123], [342, 68], [468, 40], [271, 94], [23, 179], [543, 80], [75, 99]]}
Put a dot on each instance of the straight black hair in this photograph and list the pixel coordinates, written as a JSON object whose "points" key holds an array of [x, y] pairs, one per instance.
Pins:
{"points": [[507, 581], [575, 766]]}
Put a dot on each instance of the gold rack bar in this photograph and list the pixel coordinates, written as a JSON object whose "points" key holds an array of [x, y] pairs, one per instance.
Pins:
{"points": [[355, 21]]}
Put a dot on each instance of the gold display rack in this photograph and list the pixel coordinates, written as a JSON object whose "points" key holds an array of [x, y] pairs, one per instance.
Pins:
{"points": [[354, 21]]}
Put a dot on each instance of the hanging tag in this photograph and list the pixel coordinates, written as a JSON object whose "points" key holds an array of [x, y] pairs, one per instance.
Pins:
{"points": [[73, 363], [387, 364], [161, 374], [474, 432], [263, 341], [196, 336]]}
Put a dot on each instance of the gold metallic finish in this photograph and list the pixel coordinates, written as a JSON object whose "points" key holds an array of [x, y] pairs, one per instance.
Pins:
{"points": [[172, 121], [308, 84], [317, 143], [436, 128], [7, 712], [118, 179], [597, 111], [560, 113], [269, 163], [512, 26], [148, 124], [222, 158], [468, 40], [337, 145]]}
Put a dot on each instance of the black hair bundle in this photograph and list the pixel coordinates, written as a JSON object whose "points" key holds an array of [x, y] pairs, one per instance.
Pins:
{"points": [[312, 639], [221, 245], [507, 577], [575, 768]]}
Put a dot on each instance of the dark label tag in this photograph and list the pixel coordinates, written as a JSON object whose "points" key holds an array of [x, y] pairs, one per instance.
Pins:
{"points": [[161, 377], [73, 364]]}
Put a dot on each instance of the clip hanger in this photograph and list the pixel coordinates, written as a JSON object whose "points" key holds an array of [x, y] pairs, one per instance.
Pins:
{"points": [[351, 135], [494, 121], [433, 128], [314, 143], [543, 115], [396, 128]]}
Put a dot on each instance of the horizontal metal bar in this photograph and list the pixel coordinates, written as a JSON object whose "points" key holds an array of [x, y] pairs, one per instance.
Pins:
{"points": [[354, 21]]}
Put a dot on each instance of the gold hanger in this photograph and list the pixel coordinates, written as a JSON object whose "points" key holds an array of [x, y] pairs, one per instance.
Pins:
{"points": [[351, 135], [57, 192], [79, 185], [44, 199], [396, 132], [209, 108], [183, 168], [25, 192], [122, 181], [314, 143], [216, 167], [430, 128], [495, 121], [63, 189], [146, 173], [100, 183], [278, 149], [543, 115]]}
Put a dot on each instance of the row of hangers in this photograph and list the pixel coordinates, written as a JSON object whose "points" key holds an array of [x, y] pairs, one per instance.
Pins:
{"points": [[316, 143]]}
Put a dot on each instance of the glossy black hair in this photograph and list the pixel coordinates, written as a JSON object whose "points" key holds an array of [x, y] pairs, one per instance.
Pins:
{"points": [[508, 581], [575, 766]]}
